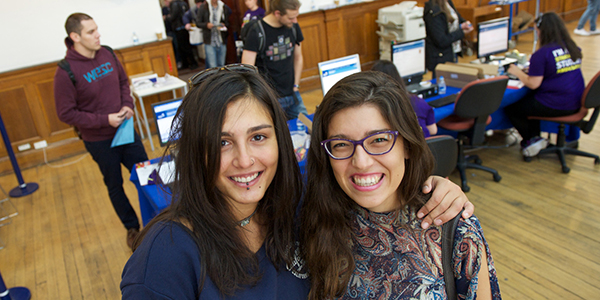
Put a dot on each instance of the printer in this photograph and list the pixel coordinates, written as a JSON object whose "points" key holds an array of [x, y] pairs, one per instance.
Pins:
{"points": [[400, 22]]}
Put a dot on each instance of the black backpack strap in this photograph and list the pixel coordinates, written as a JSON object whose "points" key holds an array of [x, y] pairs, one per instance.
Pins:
{"points": [[111, 51], [64, 64], [261, 37], [448, 231]]}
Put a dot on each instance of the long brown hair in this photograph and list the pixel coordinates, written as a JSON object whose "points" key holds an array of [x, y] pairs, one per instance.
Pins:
{"points": [[444, 8], [553, 31], [198, 203], [325, 214]]}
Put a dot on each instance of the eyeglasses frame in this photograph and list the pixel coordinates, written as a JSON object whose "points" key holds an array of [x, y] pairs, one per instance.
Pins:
{"points": [[361, 143]]}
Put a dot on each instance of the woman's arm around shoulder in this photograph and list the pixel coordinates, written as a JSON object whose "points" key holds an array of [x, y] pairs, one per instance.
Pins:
{"points": [[166, 265]]}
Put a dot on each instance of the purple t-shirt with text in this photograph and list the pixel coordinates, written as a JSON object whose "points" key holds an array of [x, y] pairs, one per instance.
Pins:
{"points": [[563, 83], [259, 13]]}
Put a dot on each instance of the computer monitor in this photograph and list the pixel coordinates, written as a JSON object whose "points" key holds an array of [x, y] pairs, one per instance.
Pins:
{"points": [[492, 37], [409, 59], [164, 113], [334, 70]]}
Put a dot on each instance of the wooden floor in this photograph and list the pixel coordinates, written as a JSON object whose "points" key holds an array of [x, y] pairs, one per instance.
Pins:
{"points": [[542, 226]]}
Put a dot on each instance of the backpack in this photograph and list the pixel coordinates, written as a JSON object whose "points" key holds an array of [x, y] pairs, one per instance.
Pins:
{"points": [[261, 35], [64, 64], [448, 231]]}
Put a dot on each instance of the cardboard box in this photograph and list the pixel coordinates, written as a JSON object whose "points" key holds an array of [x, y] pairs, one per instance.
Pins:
{"points": [[458, 75], [487, 69]]}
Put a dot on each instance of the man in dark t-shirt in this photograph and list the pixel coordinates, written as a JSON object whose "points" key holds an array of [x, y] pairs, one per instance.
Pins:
{"points": [[280, 60]]}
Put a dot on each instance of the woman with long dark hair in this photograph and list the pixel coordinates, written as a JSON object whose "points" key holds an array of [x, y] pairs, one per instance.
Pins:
{"points": [[230, 231], [555, 78], [360, 234], [445, 28]]}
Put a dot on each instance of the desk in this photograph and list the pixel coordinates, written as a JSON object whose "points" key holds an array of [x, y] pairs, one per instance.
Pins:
{"points": [[172, 84], [153, 198], [499, 119]]}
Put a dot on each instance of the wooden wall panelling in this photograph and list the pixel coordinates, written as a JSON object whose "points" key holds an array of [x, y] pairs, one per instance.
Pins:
{"points": [[314, 48], [17, 116], [552, 5], [336, 43], [29, 114], [573, 9]]}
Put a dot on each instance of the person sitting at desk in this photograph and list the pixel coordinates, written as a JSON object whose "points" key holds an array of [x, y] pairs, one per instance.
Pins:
{"points": [[555, 78], [445, 29], [422, 109]]}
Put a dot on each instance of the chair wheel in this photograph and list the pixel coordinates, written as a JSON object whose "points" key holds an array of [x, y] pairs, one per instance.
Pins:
{"points": [[527, 159], [497, 178], [478, 161], [597, 161], [466, 188], [566, 170]]}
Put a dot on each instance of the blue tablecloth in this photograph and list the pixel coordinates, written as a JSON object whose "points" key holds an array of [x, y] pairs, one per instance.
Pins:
{"points": [[153, 198]]}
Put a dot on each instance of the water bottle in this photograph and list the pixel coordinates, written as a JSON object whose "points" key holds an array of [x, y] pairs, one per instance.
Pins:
{"points": [[135, 38], [500, 70], [300, 125], [441, 86]]}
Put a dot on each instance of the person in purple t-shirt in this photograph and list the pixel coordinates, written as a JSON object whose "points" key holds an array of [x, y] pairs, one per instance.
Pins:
{"points": [[422, 109], [555, 78], [254, 11]]}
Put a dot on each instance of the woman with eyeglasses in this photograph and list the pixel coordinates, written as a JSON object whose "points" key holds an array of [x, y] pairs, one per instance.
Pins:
{"points": [[555, 79], [360, 233], [230, 231]]}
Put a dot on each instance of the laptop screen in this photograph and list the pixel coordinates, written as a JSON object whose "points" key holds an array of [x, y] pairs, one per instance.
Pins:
{"points": [[332, 71], [164, 113]]}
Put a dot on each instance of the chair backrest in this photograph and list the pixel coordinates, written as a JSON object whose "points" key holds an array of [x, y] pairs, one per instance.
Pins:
{"points": [[480, 98], [591, 99], [445, 152], [477, 100]]}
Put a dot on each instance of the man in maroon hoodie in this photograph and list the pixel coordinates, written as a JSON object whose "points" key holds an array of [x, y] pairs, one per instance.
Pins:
{"points": [[97, 100]]}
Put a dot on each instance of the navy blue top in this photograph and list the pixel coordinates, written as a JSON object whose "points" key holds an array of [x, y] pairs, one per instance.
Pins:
{"points": [[167, 266]]}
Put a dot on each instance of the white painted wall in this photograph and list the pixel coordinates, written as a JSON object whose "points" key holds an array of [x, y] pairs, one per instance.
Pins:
{"points": [[32, 32]]}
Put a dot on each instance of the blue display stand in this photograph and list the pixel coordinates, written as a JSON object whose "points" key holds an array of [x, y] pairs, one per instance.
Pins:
{"points": [[24, 188], [15, 293]]}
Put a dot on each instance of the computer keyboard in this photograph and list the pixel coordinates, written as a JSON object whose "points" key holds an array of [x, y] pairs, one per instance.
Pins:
{"points": [[443, 101]]}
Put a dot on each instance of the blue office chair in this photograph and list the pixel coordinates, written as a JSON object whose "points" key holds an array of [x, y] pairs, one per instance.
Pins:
{"points": [[589, 100], [473, 107]]}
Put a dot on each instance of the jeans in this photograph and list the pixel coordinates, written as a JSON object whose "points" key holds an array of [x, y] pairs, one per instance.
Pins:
{"points": [[109, 161], [215, 56], [591, 13], [292, 105]]}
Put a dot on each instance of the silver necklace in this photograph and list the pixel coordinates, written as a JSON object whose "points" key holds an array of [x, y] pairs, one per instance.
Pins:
{"points": [[246, 220]]}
